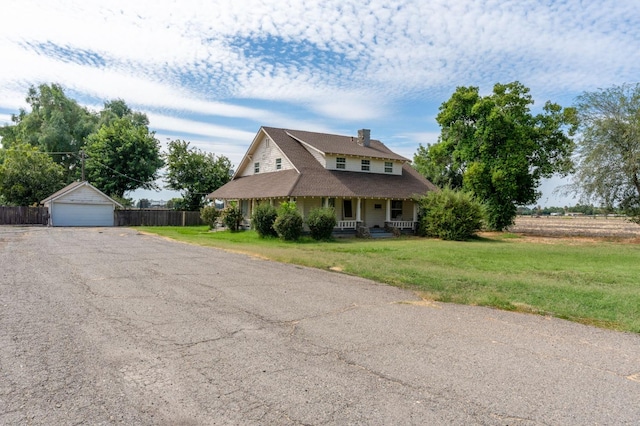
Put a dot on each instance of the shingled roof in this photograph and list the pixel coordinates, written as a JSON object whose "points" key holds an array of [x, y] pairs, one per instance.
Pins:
{"points": [[345, 145], [311, 179]]}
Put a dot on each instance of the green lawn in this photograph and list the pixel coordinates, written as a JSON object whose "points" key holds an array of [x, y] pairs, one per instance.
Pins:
{"points": [[592, 283]]}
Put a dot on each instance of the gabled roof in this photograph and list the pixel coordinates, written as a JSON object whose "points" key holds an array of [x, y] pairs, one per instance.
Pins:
{"points": [[61, 192], [75, 186], [309, 178]]}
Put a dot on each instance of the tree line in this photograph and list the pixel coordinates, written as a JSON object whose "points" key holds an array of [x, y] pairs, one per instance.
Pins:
{"points": [[57, 142], [583, 209], [497, 150], [491, 147]]}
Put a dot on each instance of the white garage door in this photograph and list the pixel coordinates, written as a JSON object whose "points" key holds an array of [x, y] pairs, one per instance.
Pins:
{"points": [[82, 214]]}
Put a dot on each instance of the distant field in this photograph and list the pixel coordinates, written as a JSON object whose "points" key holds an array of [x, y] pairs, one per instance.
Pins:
{"points": [[564, 226]]}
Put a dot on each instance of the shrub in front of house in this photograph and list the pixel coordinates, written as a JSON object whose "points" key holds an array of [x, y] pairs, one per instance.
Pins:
{"points": [[263, 218], [321, 222], [450, 215], [209, 216], [232, 217], [289, 222]]}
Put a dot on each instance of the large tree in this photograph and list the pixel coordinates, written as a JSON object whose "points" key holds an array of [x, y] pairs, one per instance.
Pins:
{"points": [[436, 163], [118, 108], [28, 176], [195, 173], [55, 124], [494, 147], [123, 156], [608, 170]]}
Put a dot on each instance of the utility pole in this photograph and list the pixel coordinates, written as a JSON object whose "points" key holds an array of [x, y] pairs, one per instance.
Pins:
{"points": [[82, 160]]}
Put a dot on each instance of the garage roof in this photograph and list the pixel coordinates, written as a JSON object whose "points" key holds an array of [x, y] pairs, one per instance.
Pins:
{"points": [[75, 186]]}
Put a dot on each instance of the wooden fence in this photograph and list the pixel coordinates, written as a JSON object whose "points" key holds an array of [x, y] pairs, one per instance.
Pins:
{"points": [[10, 215], [153, 217]]}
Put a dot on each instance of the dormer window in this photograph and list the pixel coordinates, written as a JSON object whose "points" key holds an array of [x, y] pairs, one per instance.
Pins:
{"points": [[388, 167], [365, 165], [256, 167], [278, 163], [341, 163]]}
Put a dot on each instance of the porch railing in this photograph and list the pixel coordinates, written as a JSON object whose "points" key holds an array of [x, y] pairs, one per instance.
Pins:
{"points": [[346, 224], [402, 224]]}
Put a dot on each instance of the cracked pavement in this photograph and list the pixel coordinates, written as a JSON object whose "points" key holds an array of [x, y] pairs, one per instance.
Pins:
{"points": [[110, 326]]}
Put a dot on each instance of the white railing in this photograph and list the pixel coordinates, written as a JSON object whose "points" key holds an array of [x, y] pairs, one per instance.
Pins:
{"points": [[346, 224], [401, 224]]}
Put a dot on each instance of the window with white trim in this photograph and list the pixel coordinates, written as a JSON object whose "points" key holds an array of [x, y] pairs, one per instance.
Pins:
{"points": [[278, 163], [365, 165], [341, 163], [388, 167], [256, 167], [396, 209]]}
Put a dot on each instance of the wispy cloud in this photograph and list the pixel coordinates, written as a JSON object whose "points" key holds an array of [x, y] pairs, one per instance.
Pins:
{"points": [[191, 127], [222, 49], [233, 151], [217, 70]]}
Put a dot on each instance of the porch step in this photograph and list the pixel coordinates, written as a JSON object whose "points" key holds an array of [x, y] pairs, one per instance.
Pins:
{"points": [[382, 235], [379, 233]]}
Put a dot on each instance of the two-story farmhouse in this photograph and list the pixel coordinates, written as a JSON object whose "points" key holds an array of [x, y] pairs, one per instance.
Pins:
{"points": [[366, 183]]}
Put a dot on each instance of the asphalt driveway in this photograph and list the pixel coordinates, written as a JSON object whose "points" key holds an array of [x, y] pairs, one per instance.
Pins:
{"points": [[110, 326]]}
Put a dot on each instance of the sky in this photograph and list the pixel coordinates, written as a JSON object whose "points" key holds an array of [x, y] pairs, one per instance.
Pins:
{"points": [[213, 72]]}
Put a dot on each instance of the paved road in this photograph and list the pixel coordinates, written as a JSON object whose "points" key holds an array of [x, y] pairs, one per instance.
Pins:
{"points": [[109, 326]]}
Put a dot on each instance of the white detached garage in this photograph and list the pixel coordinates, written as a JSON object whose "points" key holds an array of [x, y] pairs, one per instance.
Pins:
{"points": [[80, 204]]}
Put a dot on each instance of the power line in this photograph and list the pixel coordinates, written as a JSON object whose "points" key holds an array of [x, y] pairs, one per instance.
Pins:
{"points": [[82, 156], [115, 171]]}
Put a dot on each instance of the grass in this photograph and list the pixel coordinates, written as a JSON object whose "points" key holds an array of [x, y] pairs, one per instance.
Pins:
{"points": [[596, 283]]}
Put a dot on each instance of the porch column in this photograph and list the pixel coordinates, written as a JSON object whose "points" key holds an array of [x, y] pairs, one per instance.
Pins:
{"points": [[387, 217], [326, 202], [358, 219], [415, 212]]}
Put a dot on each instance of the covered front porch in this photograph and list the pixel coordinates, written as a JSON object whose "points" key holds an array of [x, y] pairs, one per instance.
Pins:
{"points": [[351, 213], [375, 213]]}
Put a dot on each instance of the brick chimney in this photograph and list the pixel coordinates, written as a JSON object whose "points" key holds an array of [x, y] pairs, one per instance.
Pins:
{"points": [[364, 137]]}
